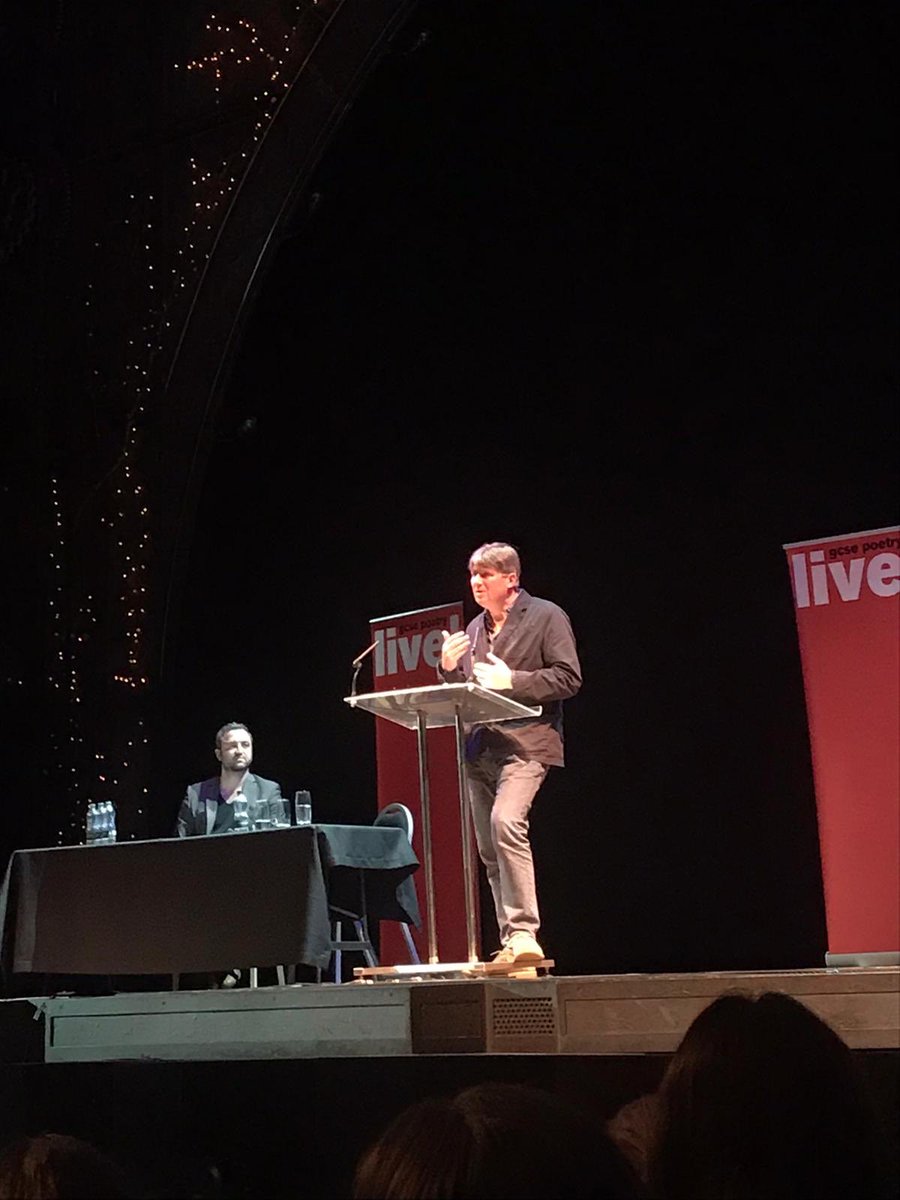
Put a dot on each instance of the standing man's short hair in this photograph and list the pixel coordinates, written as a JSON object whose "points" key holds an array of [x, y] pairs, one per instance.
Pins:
{"points": [[500, 556], [228, 728]]}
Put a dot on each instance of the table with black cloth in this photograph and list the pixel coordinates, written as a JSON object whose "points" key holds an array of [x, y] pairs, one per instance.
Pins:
{"points": [[182, 905]]}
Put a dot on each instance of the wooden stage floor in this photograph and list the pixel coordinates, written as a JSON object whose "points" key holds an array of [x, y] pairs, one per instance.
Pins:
{"points": [[631, 1014]]}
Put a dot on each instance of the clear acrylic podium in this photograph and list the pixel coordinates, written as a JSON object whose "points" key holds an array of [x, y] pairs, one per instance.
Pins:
{"points": [[436, 707]]}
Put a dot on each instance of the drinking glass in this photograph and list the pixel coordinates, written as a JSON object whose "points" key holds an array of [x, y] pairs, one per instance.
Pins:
{"points": [[302, 808]]}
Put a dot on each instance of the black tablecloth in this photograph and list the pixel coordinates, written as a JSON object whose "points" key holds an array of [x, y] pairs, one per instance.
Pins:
{"points": [[183, 905], [387, 862]]}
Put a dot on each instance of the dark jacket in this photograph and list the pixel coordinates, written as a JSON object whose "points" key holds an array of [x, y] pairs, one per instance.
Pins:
{"points": [[537, 644], [198, 808]]}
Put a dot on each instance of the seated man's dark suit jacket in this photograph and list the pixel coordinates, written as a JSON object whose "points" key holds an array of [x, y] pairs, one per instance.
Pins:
{"points": [[197, 814]]}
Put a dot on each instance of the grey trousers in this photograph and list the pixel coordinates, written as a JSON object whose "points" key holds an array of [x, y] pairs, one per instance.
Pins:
{"points": [[501, 792]]}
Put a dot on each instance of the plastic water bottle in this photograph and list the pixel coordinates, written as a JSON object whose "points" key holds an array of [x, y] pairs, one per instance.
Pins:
{"points": [[241, 818], [103, 821], [110, 821], [90, 824], [97, 824]]}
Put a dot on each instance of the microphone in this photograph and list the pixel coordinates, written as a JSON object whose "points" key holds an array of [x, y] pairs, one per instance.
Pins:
{"points": [[357, 663]]}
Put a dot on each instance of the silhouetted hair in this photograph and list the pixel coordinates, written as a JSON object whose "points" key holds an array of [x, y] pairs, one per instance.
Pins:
{"points": [[497, 1140], [632, 1127], [54, 1166], [762, 1101], [499, 556], [228, 729]]}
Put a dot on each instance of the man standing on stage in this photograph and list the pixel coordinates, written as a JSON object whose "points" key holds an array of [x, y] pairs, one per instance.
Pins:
{"points": [[525, 647], [208, 807]]}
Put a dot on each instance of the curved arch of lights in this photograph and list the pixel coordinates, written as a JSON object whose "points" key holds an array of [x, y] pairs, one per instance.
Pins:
{"points": [[172, 224]]}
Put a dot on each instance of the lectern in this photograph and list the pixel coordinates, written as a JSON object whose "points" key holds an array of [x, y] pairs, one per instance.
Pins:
{"points": [[424, 708]]}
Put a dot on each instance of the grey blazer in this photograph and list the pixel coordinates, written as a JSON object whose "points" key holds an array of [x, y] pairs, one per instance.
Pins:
{"points": [[198, 808]]}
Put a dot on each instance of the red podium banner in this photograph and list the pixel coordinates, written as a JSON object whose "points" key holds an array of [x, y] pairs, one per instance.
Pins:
{"points": [[847, 606], [407, 653]]}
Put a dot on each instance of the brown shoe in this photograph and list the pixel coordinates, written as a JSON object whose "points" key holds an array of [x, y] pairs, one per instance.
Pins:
{"points": [[520, 947]]}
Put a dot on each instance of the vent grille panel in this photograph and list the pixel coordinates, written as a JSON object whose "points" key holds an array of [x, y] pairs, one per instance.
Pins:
{"points": [[526, 1016]]}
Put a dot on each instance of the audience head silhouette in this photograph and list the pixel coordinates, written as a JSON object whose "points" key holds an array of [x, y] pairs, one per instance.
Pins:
{"points": [[54, 1166], [494, 1139], [762, 1101]]}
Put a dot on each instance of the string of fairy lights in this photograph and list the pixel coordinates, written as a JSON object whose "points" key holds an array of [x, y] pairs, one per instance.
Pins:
{"points": [[101, 634]]}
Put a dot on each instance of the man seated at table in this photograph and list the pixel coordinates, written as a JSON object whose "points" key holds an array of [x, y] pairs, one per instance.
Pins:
{"points": [[208, 807]]}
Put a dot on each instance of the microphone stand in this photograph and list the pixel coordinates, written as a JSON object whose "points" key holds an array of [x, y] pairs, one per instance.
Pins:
{"points": [[357, 664]]}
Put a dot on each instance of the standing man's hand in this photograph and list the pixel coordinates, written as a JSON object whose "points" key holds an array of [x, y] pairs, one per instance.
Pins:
{"points": [[453, 648], [494, 674]]}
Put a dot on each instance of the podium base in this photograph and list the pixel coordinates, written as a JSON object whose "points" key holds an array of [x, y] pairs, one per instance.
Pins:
{"points": [[429, 972]]}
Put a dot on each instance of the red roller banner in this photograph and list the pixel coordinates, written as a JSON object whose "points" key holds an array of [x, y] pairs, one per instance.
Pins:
{"points": [[407, 653], [847, 605]]}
